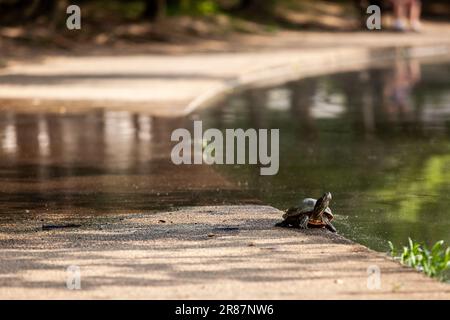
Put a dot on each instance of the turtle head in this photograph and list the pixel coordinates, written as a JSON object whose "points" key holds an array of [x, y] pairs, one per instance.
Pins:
{"points": [[321, 205]]}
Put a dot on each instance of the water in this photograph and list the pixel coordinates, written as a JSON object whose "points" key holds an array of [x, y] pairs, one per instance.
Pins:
{"points": [[378, 139], [98, 162]]}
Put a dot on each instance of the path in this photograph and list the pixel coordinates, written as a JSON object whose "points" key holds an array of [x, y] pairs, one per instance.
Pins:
{"points": [[226, 252], [173, 83]]}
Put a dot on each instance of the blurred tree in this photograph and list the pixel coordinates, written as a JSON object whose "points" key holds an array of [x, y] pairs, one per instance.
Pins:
{"points": [[247, 4], [155, 9], [22, 11], [254, 6]]}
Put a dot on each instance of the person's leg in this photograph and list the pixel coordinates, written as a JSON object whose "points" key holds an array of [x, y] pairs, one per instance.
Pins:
{"points": [[414, 14], [399, 14]]}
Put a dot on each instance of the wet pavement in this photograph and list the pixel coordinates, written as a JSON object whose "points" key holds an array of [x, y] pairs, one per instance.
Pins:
{"points": [[99, 162]]}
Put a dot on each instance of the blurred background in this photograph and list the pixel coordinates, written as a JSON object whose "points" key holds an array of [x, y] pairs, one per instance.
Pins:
{"points": [[105, 22]]}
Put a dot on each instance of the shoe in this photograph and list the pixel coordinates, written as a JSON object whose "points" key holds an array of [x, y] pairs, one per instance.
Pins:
{"points": [[399, 25], [416, 26]]}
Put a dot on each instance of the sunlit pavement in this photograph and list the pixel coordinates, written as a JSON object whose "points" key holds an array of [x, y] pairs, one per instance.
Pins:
{"points": [[212, 252]]}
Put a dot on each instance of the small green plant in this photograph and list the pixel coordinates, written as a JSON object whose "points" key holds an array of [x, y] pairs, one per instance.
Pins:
{"points": [[434, 263]]}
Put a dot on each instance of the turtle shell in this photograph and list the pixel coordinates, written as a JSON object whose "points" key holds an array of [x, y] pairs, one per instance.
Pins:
{"points": [[306, 207]]}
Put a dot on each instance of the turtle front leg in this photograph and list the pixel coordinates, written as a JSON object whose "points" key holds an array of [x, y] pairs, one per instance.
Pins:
{"points": [[328, 225], [303, 222]]}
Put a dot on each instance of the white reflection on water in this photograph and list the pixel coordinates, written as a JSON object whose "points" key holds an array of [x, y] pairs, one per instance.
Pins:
{"points": [[326, 105], [279, 99], [145, 128], [9, 139], [119, 134], [43, 137]]}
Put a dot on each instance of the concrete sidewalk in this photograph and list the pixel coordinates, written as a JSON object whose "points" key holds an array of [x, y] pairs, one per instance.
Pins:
{"points": [[174, 84], [225, 252]]}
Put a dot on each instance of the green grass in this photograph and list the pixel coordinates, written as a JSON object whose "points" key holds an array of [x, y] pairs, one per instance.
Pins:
{"points": [[434, 262]]}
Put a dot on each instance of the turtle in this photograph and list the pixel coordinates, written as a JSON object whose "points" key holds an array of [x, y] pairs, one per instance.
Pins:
{"points": [[312, 214]]}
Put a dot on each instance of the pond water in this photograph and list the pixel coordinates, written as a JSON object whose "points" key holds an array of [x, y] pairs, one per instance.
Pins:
{"points": [[378, 139]]}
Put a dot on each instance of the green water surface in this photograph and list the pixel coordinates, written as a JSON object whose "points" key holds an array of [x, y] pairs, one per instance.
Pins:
{"points": [[378, 139]]}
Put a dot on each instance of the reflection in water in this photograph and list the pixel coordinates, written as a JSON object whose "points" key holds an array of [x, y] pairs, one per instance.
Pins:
{"points": [[43, 137], [9, 138], [378, 139], [398, 88], [102, 162]]}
